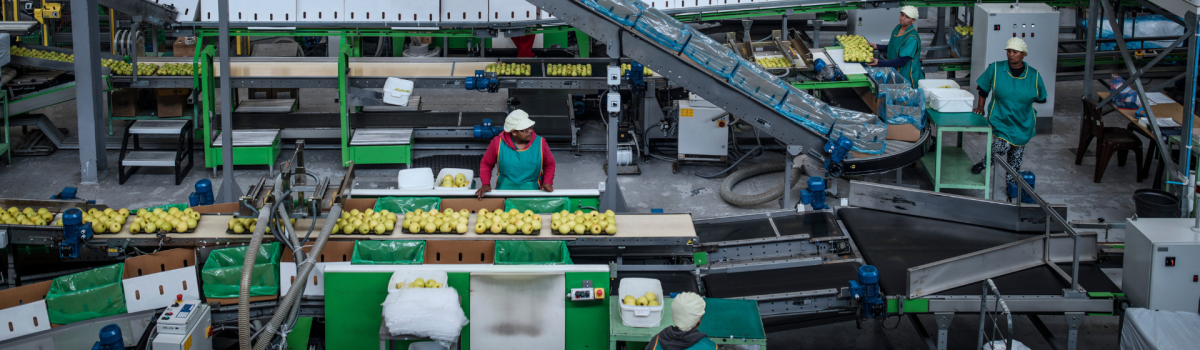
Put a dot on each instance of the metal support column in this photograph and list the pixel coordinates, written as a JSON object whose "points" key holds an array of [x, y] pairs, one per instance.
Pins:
{"points": [[612, 199], [784, 31], [792, 153], [229, 191], [1191, 21], [88, 90], [939, 34], [1092, 27], [943, 320], [1074, 321]]}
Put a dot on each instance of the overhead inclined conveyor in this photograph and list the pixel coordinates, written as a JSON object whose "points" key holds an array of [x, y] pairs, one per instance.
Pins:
{"points": [[630, 28]]}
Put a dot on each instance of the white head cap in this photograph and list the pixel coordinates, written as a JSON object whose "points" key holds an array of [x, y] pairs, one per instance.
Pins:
{"points": [[517, 120], [1017, 44], [910, 11], [686, 310]]}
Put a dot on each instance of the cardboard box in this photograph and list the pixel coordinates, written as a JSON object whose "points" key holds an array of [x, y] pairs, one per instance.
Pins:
{"points": [[362, 204], [903, 132], [156, 280], [460, 252], [869, 98], [334, 253], [223, 208], [182, 49], [171, 102], [473, 204], [125, 102], [23, 310]]}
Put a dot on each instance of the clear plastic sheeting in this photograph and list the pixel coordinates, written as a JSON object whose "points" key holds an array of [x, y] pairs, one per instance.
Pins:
{"points": [[710, 54], [1159, 330], [664, 29], [863, 129], [895, 115], [1140, 27], [760, 84], [886, 75], [808, 111], [882, 89], [624, 11], [433, 313], [905, 97]]}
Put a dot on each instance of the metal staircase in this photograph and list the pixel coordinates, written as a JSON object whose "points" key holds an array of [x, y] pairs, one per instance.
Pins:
{"points": [[133, 159]]}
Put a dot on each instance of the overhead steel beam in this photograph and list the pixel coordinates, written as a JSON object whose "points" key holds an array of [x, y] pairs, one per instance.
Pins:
{"points": [[965, 269]]}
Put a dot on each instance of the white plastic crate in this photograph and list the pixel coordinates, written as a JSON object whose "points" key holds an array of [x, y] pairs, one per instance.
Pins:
{"points": [[932, 84], [415, 179], [951, 100], [640, 316], [453, 172]]}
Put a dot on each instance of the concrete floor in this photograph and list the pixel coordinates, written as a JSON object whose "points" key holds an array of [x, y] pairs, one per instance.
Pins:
{"points": [[1049, 156]]}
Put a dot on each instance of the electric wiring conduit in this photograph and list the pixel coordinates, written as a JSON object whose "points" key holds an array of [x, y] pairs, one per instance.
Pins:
{"points": [[302, 272], [243, 310]]}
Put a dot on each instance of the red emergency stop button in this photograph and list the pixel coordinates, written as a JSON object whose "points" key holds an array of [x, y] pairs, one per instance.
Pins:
{"points": [[599, 293], [720, 123]]}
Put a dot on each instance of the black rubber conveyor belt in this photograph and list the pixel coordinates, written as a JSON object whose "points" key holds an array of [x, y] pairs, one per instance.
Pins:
{"points": [[893, 243], [775, 281], [822, 224]]}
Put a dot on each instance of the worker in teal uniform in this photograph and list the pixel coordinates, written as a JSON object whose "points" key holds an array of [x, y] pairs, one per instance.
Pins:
{"points": [[521, 157], [1014, 87], [686, 311], [904, 49]]}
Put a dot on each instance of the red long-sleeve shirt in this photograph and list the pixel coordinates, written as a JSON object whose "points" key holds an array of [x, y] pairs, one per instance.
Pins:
{"points": [[493, 155]]}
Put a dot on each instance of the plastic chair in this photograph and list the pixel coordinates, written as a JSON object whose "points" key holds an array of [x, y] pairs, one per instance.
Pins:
{"points": [[1109, 140], [1151, 155]]}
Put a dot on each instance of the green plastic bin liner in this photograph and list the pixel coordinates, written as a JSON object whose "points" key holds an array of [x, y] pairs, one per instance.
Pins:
{"points": [[532, 253], [222, 272], [86, 295], [543, 205], [388, 253], [166, 207], [403, 205]]}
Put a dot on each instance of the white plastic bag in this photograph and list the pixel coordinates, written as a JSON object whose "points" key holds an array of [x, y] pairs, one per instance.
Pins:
{"points": [[433, 313], [999, 345]]}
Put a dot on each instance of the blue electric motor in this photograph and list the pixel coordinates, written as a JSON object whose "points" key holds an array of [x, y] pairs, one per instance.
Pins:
{"points": [[75, 232], [814, 195], [865, 291], [636, 76], [203, 194], [487, 131], [66, 194], [110, 339], [839, 152], [1025, 197], [483, 81]]}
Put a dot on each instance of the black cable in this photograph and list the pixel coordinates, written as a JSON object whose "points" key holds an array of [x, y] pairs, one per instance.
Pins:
{"points": [[145, 339]]}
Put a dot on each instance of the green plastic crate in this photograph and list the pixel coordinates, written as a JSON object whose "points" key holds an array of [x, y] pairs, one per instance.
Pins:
{"points": [[86, 295], [403, 205]]}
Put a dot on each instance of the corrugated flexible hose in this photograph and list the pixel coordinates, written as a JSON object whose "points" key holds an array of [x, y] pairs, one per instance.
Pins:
{"points": [[302, 272], [244, 332], [750, 200]]}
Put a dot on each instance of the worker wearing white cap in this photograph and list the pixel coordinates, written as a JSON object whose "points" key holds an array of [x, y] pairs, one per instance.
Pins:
{"points": [[521, 158], [686, 311], [904, 49], [1014, 87]]}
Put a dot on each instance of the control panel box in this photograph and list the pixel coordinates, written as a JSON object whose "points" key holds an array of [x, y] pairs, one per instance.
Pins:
{"points": [[1162, 264], [185, 325], [1036, 24], [703, 131], [876, 25]]}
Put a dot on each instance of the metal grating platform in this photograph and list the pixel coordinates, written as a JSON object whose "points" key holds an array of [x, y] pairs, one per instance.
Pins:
{"points": [[280, 105], [250, 138]]}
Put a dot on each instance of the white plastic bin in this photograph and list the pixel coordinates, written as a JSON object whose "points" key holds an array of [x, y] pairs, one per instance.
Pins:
{"points": [[640, 316], [951, 100], [415, 179], [397, 91], [453, 172]]}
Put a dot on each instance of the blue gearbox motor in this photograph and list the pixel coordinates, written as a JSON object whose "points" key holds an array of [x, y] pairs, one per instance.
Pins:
{"points": [[203, 194], [814, 195], [1013, 188], [75, 232], [839, 152], [110, 339], [865, 292], [487, 131]]}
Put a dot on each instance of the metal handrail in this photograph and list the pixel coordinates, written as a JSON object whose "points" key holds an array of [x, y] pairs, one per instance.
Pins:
{"points": [[1053, 215], [1000, 307]]}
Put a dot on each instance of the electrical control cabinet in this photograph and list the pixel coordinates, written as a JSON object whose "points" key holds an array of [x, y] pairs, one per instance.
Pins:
{"points": [[875, 25], [1162, 264], [1037, 25], [703, 131], [185, 325]]}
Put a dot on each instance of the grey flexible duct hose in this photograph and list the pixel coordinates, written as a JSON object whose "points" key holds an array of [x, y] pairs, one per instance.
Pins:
{"points": [[750, 200], [302, 272], [244, 334]]}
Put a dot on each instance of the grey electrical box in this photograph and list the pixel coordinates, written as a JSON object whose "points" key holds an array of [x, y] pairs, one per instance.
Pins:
{"points": [[703, 130], [1037, 25], [1162, 264], [876, 25]]}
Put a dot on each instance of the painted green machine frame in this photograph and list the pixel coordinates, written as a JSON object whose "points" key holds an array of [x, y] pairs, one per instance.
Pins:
{"points": [[353, 313], [257, 155]]}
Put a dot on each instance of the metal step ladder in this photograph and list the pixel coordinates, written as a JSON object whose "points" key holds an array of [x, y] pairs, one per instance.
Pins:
{"points": [[381, 136], [133, 159]]}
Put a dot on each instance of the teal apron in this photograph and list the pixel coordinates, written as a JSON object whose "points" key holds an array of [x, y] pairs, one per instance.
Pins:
{"points": [[907, 44], [520, 170], [1011, 111]]}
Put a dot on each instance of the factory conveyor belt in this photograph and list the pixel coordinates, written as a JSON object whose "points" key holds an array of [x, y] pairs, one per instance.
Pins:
{"points": [[893, 243], [630, 28]]}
